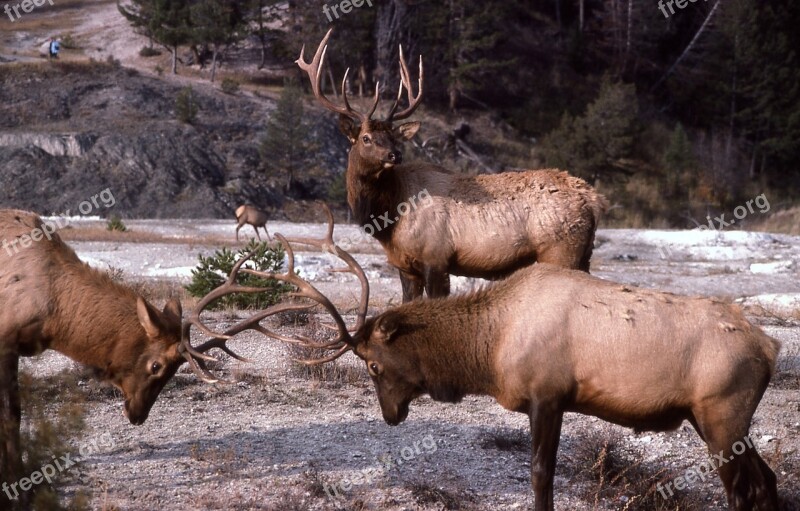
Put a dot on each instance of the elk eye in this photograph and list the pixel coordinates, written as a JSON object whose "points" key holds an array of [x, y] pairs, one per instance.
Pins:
{"points": [[155, 368], [366, 139], [374, 369]]}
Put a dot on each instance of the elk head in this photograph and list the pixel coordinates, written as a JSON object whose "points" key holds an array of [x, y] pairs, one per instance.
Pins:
{"points": [[395, 374], [374, 143], [147, 364]]}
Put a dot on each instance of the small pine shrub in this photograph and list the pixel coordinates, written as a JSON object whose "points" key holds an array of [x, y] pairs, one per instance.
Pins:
{"points": [[53, 420], [159, 70], [68, 42], [115, 223], [149, 51], [229, 86], [186, 106], [212, 271]]}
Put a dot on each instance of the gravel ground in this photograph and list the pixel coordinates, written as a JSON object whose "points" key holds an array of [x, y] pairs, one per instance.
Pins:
{"points": [[281, 440]]}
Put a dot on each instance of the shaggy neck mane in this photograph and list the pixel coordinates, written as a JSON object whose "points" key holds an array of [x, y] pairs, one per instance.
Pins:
{"points": [[87, 303], [372, 192], [454, 360]]}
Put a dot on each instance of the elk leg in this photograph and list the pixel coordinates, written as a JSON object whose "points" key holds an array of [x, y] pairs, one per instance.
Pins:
{"points": [[749, 482], [257, 234], [269, 238], [412, 286], [10, 413], [545, 435], [437, 283], [237, 231]]}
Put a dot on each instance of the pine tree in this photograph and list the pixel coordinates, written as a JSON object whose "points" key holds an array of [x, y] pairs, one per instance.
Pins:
{"points": [[166, 21], [218, 23], [592, 145], [287, 145]]}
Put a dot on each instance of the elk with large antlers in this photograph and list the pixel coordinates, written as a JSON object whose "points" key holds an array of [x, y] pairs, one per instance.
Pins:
{"points": [[52, 300], [484, 226], [548, 340]]}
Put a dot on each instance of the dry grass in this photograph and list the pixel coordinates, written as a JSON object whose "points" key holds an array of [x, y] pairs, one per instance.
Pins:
{"points": [[427, 494], [786, 221], [618, 477]]}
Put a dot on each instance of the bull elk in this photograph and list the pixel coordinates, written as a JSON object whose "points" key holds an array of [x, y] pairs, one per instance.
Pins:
{"points": [[52, 300], [483, 226], [252, 216], [548, 340]]}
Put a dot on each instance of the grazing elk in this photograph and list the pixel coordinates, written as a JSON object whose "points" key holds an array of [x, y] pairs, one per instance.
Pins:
{"points": [[483, 226], [549, 340], [52, 300], [253, 216]]}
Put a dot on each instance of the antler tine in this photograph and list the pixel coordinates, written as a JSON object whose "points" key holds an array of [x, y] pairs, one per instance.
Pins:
{"points": [[196, 356], [305, 289], [328, 245], [330, 358], [314, 71], [405, 82]]}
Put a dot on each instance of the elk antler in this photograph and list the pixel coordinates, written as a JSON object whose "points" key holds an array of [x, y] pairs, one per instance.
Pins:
{"points": [[314, 71], [405, 82], [341, 344]]}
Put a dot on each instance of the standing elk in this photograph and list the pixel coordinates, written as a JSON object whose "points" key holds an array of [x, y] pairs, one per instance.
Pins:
{"points": [[253, 216], [484, 226], [52, 300], [549, 340]]}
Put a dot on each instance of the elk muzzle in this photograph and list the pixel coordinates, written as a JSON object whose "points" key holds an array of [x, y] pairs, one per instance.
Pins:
{"points": [[393, 158]]}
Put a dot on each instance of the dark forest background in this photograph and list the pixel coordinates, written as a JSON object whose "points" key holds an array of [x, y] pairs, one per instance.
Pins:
{"points": [[674, 116]]}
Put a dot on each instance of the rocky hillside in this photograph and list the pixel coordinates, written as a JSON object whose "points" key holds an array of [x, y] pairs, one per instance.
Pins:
{"points": [[70, 130]]}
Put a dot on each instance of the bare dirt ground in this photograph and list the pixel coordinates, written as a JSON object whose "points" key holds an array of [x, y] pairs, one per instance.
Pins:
{"points": [[281, 439]]}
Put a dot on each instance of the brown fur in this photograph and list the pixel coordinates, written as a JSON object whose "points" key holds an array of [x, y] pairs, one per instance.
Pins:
{"points": [[477, 226], [253, 216], [549, 340], [52, 300]]}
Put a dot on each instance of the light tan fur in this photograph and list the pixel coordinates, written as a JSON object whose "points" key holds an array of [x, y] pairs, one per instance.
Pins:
{"points": [[49, 299], [252, 216], [549, 340]]}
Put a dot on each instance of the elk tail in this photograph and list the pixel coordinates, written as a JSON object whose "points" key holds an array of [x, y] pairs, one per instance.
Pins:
{"points": [[239, 212]]}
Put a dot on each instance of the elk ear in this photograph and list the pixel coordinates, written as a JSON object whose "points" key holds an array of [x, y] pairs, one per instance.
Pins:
{"points": [[349, 128], [387, 326], [173, 309], [149, 318], [406, 131]]}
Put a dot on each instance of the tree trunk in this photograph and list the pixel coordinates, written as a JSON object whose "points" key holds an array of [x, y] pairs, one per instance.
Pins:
{"points": [[581, 15], [263, 61], [174, 51], [214, 63], [390, 20]]}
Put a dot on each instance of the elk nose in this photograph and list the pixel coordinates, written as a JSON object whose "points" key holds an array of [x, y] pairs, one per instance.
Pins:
{"points": [[396, 157]]}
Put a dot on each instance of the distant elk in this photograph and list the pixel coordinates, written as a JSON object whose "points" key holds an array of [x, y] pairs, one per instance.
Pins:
{"points": [[253, 216], [52, 300], [477, 226], [548, 340]]}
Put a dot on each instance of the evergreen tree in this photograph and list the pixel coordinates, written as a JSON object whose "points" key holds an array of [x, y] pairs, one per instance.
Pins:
{"points": [[218, 23], [592, 145], [287, 145], [166, 21]]}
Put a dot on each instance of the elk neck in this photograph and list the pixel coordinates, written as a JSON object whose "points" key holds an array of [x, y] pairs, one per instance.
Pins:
{"points": [[94, 319], [373, 191], [455, 340]]}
